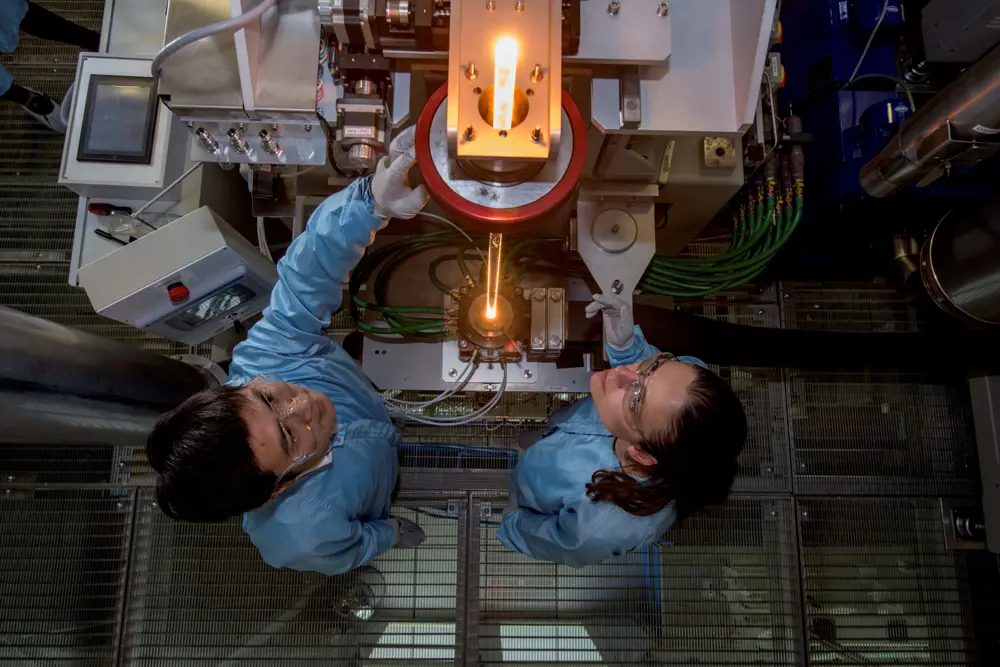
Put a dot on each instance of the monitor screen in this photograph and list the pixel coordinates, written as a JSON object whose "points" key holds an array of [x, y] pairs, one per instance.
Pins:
{"points": [[219, 304], [119, 120]]}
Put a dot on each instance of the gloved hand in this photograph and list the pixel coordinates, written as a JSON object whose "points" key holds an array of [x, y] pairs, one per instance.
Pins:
{"points": [[408, 534], [619, 327], [394, 198]]}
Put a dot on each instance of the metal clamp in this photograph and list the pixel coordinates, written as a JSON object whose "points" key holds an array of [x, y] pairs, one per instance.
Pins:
{"points": [[548, 321]]}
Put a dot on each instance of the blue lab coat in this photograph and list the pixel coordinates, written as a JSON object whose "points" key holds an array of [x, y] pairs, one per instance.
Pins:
{"points": [[333, 518], [554, 519], [11, 14]]}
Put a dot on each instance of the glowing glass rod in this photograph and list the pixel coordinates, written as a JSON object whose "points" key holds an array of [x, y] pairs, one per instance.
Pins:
{"points": [[504, 76], [493, 274]]}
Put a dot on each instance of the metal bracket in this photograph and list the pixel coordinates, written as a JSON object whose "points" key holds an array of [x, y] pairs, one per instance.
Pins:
{"points": [[616, 262], [630, 101], [548, 321]]}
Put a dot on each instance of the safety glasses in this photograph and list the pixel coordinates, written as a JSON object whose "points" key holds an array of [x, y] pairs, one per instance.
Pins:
{"points": [[634, 393]]}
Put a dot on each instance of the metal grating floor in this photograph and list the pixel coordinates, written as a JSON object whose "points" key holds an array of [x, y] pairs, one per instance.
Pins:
{"points": [[830, 553]]}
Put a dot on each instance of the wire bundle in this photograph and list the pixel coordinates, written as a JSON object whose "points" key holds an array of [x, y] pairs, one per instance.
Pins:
{"points": [[415, 410], [760, 230]]}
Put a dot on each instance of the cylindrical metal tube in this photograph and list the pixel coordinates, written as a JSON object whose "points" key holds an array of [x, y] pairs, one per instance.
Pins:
{"points": [[36, 417], [960, 263], [967, 109], [40, 354]]}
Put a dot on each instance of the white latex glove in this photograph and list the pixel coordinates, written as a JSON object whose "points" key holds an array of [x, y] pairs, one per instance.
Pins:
{"points": [[619, 327], [408, 534], [394, 198]]}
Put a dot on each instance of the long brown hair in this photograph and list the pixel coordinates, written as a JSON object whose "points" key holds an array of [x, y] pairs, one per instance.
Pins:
{"points": [[695, 455]]}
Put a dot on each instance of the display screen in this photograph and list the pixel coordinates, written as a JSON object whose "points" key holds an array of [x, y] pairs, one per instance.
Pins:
{"points": [[215, 306], [119, 120]]}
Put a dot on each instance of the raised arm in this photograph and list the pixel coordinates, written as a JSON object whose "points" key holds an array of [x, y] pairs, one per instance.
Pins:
{"points": [[624, 342], [311, 273]]}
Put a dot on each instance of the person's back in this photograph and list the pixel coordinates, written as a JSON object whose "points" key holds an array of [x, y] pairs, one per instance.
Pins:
{"points": [[656, 441]]}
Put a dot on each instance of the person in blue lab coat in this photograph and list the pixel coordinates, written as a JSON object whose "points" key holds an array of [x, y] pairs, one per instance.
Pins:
{"points": [[655, 442], [20, 15], [298, 441]]}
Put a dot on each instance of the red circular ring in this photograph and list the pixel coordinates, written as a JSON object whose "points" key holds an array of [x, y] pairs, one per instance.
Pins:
{"points": [[487, 219]]}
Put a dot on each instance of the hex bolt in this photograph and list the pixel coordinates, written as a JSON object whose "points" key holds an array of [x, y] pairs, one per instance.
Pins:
{"points": [[555, 295], [555, 341], [663, 9], [452, 372], [527, 373], [614, 7], [537, 341], [471, 73], [536, 135], [617, 287], [539, 295], [470, 133], [536, 74]]}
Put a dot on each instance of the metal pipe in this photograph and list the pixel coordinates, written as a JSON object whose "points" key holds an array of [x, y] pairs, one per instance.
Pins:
{"points": [[960, 263], [955, 122], [36, 417], [39, 354]]}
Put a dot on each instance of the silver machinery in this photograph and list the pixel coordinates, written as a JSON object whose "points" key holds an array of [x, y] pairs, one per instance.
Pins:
{"points": [[579, 120]]}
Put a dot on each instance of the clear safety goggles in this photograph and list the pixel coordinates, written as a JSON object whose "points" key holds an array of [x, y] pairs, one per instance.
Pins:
{"points": [[635, 392], [285, 409]]}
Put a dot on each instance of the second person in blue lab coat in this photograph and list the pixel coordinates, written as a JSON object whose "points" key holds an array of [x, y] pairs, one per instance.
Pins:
{"points": [[298, 441], [656, 441]]}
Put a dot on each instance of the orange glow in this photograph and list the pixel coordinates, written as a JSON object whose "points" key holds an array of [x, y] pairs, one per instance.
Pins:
{"points": [[493, 274], [504, 78]]}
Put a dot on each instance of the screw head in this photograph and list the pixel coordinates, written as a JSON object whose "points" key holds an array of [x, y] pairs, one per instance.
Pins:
{"points": [[309, 128], [518, 291], [463, 290], [536, 73], [555, 295], [555, 341], [519, 6], [527, 373], [536, 135], [463, 344], [470, 133], [617, 287], [614, 7], [539, 295], [537, 341], [471, 73], [452, 372], [663, 9], [491, 5]]}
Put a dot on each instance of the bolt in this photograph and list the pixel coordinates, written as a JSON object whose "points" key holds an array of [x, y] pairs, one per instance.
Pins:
{"points": [[519, 6], [463, 344], [614, 7], [309, 128], [518, 291], [503, 134], [463, 290], [518, 345], [539, 295], [190, 123], [663, 9], [536, 74], [536, 135], [537, 341], [615, 229], [527, 373], [477, 90], [471, 73], [452, 373], [555, 341], [555, 295], [470, 133], [617, 287], [491, 5]]}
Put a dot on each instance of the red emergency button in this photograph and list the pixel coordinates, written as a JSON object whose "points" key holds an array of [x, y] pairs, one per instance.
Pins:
{"points": [[178, 292]]}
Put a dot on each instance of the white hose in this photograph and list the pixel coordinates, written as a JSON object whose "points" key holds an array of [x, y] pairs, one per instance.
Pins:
{"points": [[192, 36], [462, 419]]}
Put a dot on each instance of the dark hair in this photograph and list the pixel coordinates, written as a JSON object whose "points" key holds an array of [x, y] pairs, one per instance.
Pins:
{"points": [[695, 455], [207, 468]]}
